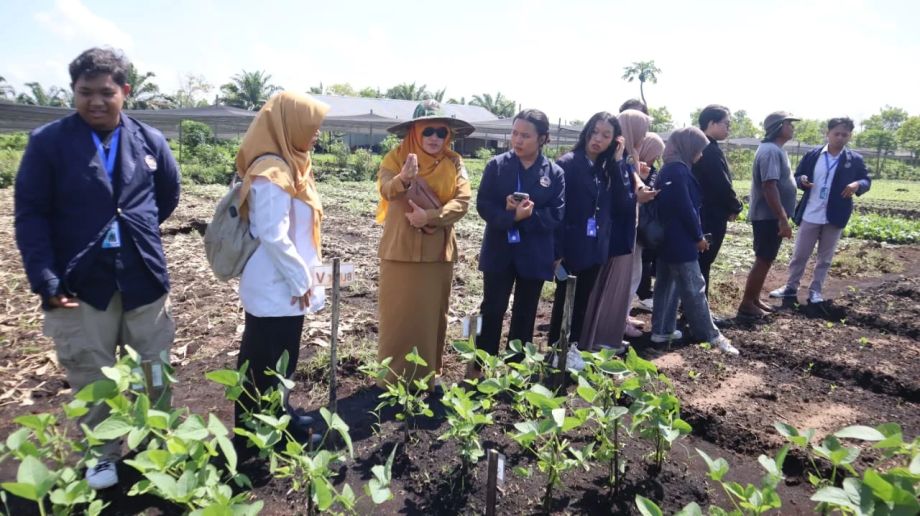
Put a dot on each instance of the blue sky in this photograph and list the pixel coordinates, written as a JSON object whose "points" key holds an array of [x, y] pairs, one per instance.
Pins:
{"points": [[816, 58]]}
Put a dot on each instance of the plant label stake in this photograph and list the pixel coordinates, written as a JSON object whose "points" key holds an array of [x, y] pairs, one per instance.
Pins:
{"points": [[492, 485], [147, 367], [469, 322], [335, 333], [562, 350]]}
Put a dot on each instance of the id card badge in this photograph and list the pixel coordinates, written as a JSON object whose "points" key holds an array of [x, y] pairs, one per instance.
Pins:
{"points": [[514, 236], [823, 193], [591, 229], [112, 239]]}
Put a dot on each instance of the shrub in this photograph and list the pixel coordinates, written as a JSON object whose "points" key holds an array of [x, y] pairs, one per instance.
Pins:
{"points": [[195, 133], [9, 164], [14, 141], [389, 143], [483, 153], [365, 165]]}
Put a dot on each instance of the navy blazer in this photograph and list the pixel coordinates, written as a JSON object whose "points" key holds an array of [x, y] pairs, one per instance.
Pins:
{"points": [[532, 257], [586, 196], [850, 168], [623, 207], [65, 203], [679, 206]]}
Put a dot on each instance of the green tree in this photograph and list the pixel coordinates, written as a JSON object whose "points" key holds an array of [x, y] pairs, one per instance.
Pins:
{"points": [[371, 93], [455, 101], [145, 94], [499, 106], [645, 71], [810, 131], [341, 89], [661, 120], [192, 91], [248, 90], [406, 91], [880, 132], [316, 90], [6, 91], [39, 96], [743, 126], [695, 117], [909, 136], [438, 95]]}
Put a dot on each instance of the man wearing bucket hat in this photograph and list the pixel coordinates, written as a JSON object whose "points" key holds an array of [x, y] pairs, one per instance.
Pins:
{"points": [[424, 190], [773, 195]]}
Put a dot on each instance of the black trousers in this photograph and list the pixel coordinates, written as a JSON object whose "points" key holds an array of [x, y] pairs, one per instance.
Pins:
{"points": [[496, 291], [716, 226], [264, 341], [644, 291], [583, 285]]}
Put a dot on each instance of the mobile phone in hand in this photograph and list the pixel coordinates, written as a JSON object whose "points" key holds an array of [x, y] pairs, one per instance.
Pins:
{"points": [[561, 273], [520, 196]]}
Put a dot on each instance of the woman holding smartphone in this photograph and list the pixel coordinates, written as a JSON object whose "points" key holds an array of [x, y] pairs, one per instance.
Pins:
{"points": [[582, 241], [522, 199]]}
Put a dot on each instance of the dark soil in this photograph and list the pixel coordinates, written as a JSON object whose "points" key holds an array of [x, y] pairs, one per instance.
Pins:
{"points": [[855, 360]]}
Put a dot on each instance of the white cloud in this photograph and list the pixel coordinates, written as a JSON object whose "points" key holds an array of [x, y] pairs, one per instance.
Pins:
{"points": [[75, 23]]}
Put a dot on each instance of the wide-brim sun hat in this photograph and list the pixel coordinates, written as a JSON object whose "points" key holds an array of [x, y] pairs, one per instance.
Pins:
{"points": [[430, 111], [774, 122]]}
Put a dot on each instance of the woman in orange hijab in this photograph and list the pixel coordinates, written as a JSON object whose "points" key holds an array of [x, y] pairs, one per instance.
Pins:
{"points": [[279, 197], [418, 247]]}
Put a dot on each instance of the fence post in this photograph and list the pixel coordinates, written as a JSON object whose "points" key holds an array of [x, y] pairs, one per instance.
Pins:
{"points": [[333, 360]]}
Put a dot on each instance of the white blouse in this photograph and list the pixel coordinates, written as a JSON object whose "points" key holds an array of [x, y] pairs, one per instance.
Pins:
{"points": [[280, 268]]}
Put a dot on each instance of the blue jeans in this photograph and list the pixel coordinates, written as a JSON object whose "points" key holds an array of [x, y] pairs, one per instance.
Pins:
{"points": [[684, 283]]}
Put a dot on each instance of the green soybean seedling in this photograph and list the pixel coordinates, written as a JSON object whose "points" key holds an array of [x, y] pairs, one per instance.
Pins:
{"points": [[408, 396], [465, 418]]}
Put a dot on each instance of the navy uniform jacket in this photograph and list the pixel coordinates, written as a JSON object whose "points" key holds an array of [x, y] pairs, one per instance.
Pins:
{"points": [[65, 203], [850, 168], [586, 196], [715, 179], [532, 257], [623, 208], [679, 205]]}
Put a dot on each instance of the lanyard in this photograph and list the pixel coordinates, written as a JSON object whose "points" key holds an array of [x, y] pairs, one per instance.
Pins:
{"points": [[108, 160], [830, 168]]}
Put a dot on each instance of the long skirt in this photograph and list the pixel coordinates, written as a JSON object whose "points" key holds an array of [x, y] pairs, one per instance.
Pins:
{"points": [[413, 300], [608, 305]]}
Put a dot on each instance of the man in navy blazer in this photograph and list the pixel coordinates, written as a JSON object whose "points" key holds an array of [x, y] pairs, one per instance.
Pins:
{"points": [[91, 192], [829, 177]]}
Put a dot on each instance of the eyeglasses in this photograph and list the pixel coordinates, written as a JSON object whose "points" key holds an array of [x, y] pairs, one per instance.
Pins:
{"points": [[442, 132]]}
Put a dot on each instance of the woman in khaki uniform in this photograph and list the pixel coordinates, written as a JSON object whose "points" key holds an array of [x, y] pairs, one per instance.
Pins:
{"points": [[418, 247]]}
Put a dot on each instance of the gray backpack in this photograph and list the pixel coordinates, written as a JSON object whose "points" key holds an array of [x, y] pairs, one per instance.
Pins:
{"points": [[228, 243]]}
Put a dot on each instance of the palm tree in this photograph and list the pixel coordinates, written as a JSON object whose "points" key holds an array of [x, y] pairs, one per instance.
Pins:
{"points": [[39, 96], [145, 94], [644, 71], [316, 90], [6, 91], [499, 106], [248, 90], [407, 91], [438, 95], [455, 101]]}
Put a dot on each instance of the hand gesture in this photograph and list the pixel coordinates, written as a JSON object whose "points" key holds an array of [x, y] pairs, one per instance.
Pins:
{"points": [[785, 230], [645, 194], [702, 245], [511, 203], [621, 146], [409, 169], [850, 190], [806, 184], [303, 301], [63, 301]]}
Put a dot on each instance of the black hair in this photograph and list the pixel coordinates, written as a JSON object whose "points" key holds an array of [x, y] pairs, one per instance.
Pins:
{"points": [[636, 104], [714, 113], [844, 120], [588, 130], [538, 119], [100, 61]]}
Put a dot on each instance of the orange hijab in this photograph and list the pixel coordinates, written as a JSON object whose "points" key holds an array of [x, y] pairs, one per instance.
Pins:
{"points": [[438, 170], [284, 127]]}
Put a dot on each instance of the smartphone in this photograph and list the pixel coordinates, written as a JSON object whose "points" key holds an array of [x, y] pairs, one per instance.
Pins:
{"points": [[707, 237], [520, 196], [561, 273]]}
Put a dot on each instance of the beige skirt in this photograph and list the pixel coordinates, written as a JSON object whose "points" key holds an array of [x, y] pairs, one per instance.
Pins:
{"points": [[413, 300]]}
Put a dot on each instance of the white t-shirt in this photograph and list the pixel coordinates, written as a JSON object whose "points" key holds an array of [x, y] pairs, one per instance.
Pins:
{"points": [[281, 266], [816, 209]]}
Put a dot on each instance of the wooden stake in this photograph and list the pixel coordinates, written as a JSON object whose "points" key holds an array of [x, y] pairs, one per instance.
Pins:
{"points": [[333, 360], [147, 368], [563, 349], [492, 485]]}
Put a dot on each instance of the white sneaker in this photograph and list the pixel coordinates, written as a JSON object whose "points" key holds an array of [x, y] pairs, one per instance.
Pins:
{"points": [[661, 339], [725, 345], [573, 360], [814, 297], [102, 475], [617, 350], [782, 292], [645, 304]]}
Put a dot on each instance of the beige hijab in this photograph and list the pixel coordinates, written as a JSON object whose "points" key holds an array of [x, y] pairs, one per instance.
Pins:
{"points": [[651, 148], [684, 144], [634, 124], [284, 127]]}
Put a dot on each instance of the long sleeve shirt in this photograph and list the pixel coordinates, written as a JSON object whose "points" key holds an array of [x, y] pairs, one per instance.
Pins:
{"points": [[715, 179]]}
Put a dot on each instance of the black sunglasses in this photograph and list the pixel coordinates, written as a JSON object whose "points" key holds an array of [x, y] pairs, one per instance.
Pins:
{"points": [[442, 132]]}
